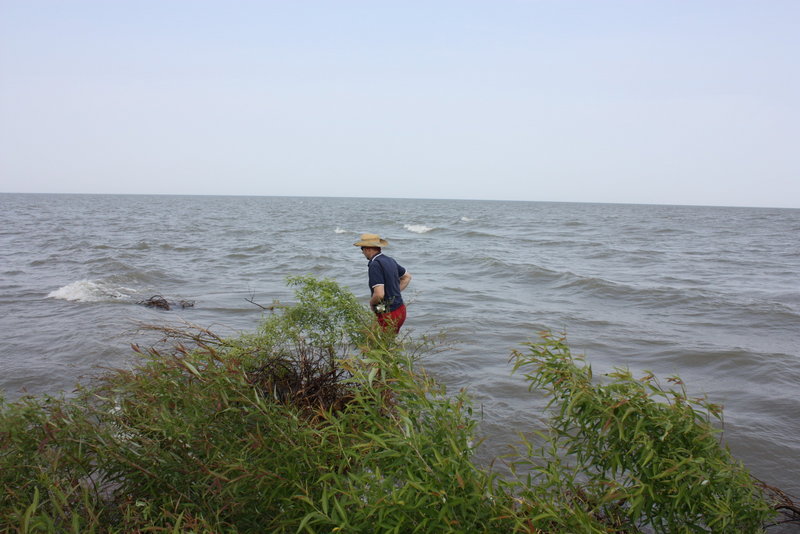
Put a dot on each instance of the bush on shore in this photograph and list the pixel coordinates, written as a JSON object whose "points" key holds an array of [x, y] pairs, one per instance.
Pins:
{"points": [[320, 422]]}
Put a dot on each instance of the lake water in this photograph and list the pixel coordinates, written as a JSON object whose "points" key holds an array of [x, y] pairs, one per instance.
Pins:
{"points": [[709, 293]]}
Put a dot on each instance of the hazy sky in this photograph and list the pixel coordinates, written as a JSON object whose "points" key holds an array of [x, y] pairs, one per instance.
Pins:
{"points": [[669, 102]]}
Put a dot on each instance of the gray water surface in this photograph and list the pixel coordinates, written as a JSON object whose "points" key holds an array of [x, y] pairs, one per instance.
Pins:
{"points": [[708, 293]]}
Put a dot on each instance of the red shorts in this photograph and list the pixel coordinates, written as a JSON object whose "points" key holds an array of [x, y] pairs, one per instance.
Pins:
{"points": [[393, 319]]}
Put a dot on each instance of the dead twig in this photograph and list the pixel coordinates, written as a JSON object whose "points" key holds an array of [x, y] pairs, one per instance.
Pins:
{"points": [[252, 301], [307, 377], [192, 334]]}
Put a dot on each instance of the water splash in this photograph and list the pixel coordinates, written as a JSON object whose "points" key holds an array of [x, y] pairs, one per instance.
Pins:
{"points": [[90, 291]]}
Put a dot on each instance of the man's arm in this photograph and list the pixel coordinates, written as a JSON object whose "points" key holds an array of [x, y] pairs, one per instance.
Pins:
{"points": [[404, 280], [377, 296]]}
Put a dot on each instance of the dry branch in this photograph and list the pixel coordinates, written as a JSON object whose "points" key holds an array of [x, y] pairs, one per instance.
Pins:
{"points": [[782, 502], [251, 300]]}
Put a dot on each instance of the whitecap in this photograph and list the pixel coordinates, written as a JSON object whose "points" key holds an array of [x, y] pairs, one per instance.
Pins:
{"points": [[340, 230], [466, 219], [417, 228], [90, 291]]}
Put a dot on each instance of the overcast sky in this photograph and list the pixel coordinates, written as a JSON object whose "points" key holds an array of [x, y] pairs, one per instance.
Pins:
{"points": [[668, 102]]}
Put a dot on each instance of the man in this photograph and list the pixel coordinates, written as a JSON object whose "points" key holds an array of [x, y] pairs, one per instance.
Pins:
{"points": [[386, 280]]}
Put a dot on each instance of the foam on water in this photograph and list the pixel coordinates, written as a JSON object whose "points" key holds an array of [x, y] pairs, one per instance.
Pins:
{"points": [[90, 291], [417, 228]]}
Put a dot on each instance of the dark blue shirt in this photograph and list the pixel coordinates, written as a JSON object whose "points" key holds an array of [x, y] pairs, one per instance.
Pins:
{"points": [[384, 270]]}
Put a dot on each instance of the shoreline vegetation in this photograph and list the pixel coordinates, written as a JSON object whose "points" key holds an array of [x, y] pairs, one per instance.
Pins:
{"points": [[321, 422]]}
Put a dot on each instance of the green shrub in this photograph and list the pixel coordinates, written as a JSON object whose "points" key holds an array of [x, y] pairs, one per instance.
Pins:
{"points": [[203, 439], [633, 453], [325, 315], [321, 422]]}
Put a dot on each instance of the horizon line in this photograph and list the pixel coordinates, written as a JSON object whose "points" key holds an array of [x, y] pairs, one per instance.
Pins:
{"points": [[611, 203]]}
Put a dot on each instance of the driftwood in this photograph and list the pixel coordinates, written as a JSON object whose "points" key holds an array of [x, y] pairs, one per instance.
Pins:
{"points": [[157, 301]]}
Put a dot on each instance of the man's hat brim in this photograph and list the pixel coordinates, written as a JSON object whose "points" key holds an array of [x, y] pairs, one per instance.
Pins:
{"points": [[371, 240]]}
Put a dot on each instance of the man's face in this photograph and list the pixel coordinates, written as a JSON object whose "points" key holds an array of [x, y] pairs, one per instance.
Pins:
{"points": [[369, 252]]}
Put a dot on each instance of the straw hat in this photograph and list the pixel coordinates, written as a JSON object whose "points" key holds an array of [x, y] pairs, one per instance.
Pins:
{"points": [[371, 240]]}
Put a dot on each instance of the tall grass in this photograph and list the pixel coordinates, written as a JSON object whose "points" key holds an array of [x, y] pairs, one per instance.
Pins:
{"points": [[321, 422]]}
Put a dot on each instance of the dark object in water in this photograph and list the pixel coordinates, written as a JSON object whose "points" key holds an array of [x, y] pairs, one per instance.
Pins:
{"points": [[157, 301]]}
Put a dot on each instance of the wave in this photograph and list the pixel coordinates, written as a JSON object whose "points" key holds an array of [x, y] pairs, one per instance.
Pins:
{"points": [[705, 307], [479, 234], [91, 291], [340, 230], [593, 284], [488, 267], [252, 249], [417, 228]]}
